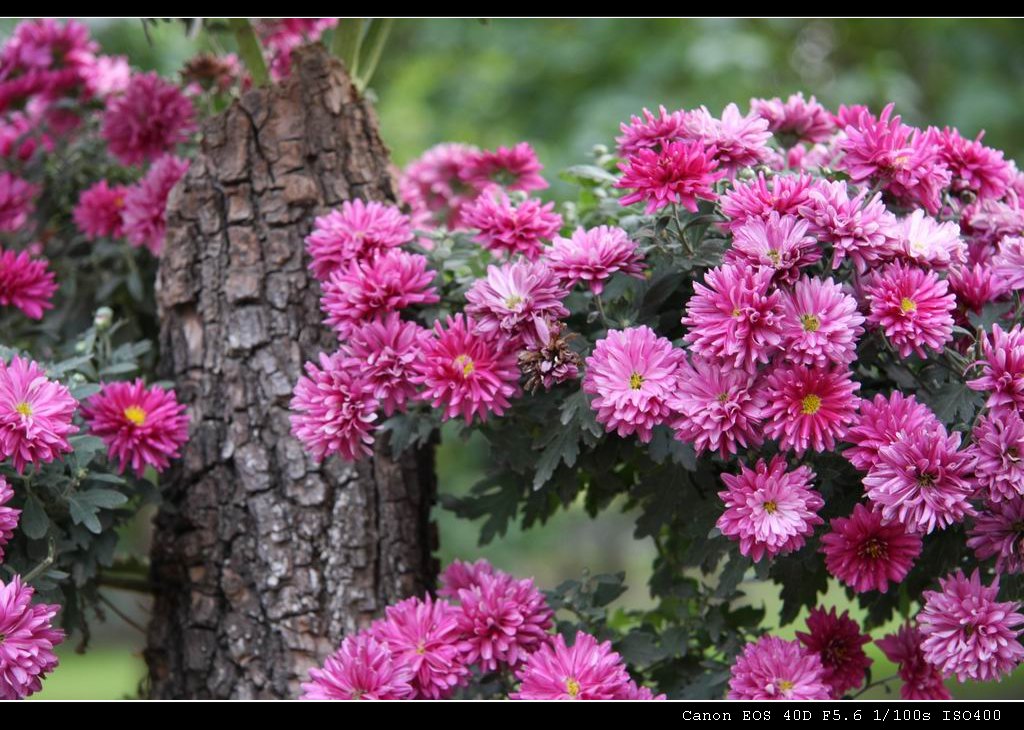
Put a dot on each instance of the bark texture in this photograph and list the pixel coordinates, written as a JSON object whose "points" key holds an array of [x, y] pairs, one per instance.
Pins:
{"points": [[263, 559]]}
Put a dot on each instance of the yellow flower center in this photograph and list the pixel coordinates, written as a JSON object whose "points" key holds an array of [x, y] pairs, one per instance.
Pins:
{"points": [[135, 414], [24, 409], [785, 685], [810, 405], [421, 648], [774, 256], [810, 323], [771, 506], [723, 397], [465, 363], [908, 305], [925, 480], [635, 381], [513, 301], [572, 687], [736, 313]]}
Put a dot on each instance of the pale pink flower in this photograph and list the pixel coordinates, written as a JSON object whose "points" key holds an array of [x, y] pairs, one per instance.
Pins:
{"points": [[735, 141], [927, 242], [775, 669], [780, 244], [594, 256], [517, 300], [762, 196], [35, 415], [821, 324], [1002, 369], [858, 228], [587, 670]]}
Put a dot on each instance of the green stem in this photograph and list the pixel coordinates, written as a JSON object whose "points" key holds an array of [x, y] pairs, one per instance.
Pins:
{"points": [[249, 50], [875, 684], [376, 37], [348, 40], [51, 554]]}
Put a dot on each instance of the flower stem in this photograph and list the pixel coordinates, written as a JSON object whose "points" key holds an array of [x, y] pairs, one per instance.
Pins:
{"points": [[249, 49]]}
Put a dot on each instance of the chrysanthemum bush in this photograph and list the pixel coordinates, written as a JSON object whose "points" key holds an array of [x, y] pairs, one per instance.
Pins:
{"points": [[789, 341]]}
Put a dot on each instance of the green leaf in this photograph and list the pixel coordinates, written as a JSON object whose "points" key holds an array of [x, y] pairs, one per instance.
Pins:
{"points": [[85, 447], [102, 498], [83, 391], [587, 175], [35, 523], [563, 445], [955, 403], [119, 368], [84, 513]]}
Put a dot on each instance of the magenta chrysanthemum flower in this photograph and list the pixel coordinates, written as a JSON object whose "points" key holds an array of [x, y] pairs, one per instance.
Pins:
{"points": [[386, 351], [775, 669], [587, 670], [977, 285], [768, 510], [593, 256], [459, 574], [922, 480], [867, 553], [921, 681], [717, 408], [362, 290], [513, 168], [466, 373], [736, 318], [651, 131], [148, 120], [860, 229], [778, 243], [999, 532], [967, 632], [281, 36], [1002, 369], [976, 168], [16, 201], [506, 228], [355, 232], [431, 184], [145, 203], [821, 324], [516, 300], [810, 408], [636, 692], [998, 454], [8, 515], [679, 173], [1008, 263], [735, 141], [503, 620], [882, 422], [423, 635], [140, 426], [796, 118], [35, 415], [334, 410], [26, 283], [928, 242], [362, 668], [632, 376], [99, 211], [26, 652], [759, 198], [838, 642], [107, 76], [913, 307]]}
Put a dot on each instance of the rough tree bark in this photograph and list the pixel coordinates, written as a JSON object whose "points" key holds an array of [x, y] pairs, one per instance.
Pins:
{"points": [[261, 558]]}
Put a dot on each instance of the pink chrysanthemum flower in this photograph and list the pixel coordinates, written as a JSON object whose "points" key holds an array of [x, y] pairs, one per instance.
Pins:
{"points": [[998, 454], [778, 243], [967, 632], [922, 480], [928, 242], [976, 168], [506, 228], [800, 158], [717, 408], [821, 324], [99, 211], [775, 669], [866, 553], [26, 283], [107, 76], [839, 643], [386, 351], [636, 692], [1008, 263], [913, 307], [465, 373], [988, 221], [362, 290], [16, 201], [679, 173], [921, 681], [35, 415], [810, 408], [587, 670], [8, 515], [735, 141], [362, 668], [860, 229], [1002, 369], [796, 119], [148, 120], [26, 652], [882, 422], [334, 410], [459, 574], [735, 317], [768, 510], [145, 203], [998, 532], [651, 131], [593, 256], [431, 184], [632, 376], [423, 635], [503, 620], [513, 168], [355, 232], [517, 300], [20, 137], [977, 285], [281, 36], [140, 426], [760, 197]]}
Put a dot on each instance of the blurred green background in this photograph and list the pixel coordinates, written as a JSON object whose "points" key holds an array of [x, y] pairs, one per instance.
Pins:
{"points": [[565, 85]]}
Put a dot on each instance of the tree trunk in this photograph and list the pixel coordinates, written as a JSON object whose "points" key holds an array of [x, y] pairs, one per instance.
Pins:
{"points": [[261, 558]]}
